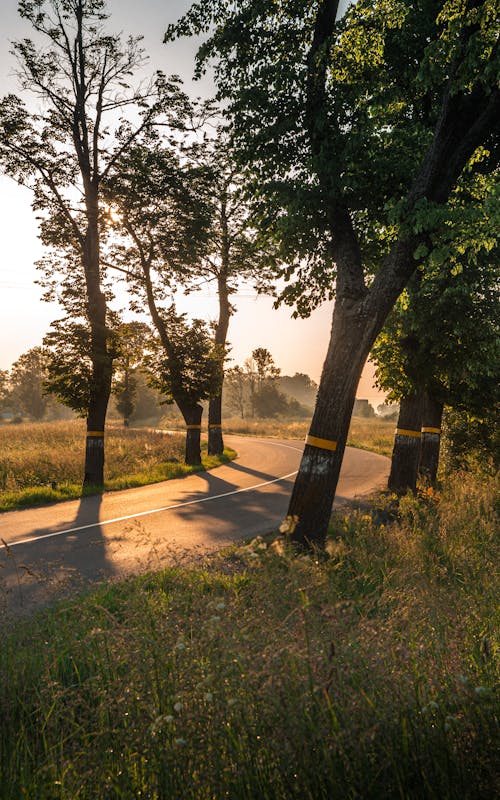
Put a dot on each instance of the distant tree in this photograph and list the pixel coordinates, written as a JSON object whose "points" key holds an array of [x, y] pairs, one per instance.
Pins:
{"points": [[4, 389], [148, 400], [235, 388], [131, 340], [81, 77], [300, 386], [270, 402], [184, 368], [362, 408], [27, 383]]}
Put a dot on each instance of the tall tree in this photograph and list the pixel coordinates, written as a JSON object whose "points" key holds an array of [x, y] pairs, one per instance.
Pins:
{"points": [[80, 76], [355, 131], [161, 221], [235, 252]]}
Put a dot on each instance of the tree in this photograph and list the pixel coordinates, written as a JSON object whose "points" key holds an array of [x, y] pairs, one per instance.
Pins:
{"points": [[184, 367], [235, 252], [4, 389], [26, 379], [161, 217], [131, 340], [235, 385], [80, 76], [440, 346], [440, 343], [68, 360], [355, 132]]}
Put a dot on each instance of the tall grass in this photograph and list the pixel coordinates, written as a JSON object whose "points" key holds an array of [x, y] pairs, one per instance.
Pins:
{"points": [[370, 673], [36, 456], [369, 434]]}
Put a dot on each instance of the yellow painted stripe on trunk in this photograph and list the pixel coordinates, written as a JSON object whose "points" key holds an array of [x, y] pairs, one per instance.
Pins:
{"points": [[323, 444], [431, 430], [193, 427], [405, 432], [215, 425], [95, 433]]}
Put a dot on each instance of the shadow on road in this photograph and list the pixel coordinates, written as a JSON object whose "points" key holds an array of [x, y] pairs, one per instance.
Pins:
{"points": [[34, 573]]}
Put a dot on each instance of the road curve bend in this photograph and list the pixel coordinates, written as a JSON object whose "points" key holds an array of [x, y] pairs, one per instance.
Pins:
{"points": [[56, 549]]}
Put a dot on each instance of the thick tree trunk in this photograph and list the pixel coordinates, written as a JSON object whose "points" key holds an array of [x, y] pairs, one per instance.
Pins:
{"points": [[314, 490], [192, 417], [102, 360], [215, 438], [432, 417], [406, 451]]}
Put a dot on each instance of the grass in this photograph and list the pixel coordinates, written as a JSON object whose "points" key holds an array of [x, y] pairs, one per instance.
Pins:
{"points": [[36, 455], [376, 435], [368, 673]]}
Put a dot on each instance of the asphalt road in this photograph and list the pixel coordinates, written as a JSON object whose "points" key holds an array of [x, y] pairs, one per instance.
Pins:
{"points": [[54, 550]]}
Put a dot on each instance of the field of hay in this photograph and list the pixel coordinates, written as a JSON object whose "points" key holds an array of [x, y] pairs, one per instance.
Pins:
{"points": [[34, 456]]}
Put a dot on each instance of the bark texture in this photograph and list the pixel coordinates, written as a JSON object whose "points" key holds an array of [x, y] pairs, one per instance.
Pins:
{"points": [[432, 418], [406, 451], [102, 360], [215, 437], [464, 120], [192, 417]]}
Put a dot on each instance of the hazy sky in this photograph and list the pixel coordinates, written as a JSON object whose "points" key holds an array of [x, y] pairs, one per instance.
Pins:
{"points": [[297, 345]]}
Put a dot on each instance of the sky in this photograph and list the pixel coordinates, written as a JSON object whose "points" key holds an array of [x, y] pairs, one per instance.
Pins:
{"points": [[296, 345]]}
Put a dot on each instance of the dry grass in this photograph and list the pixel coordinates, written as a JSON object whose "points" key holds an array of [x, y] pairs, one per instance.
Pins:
{"points": [[370, 673], [368, 434], [35, 455]]}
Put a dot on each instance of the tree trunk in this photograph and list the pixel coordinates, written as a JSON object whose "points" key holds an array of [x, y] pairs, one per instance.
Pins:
{"points": [[406, 451], [432, 417], [314, 490], [192, 417], [215, 439], [102, 360]]}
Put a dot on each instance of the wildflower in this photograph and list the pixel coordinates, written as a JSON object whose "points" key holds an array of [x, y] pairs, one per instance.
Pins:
{"points": [[220, 606], [289, 524], [481, 691], [180, 646], [180, 742], [178, 707], [209, 696]]}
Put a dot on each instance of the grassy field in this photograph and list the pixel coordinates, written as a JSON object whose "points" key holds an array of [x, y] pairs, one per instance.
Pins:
{"points": [[368, 434], [33, 456], [369, 673]]}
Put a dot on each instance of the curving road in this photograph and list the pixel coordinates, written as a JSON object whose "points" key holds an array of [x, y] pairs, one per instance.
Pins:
{"points": [[54, 550]]}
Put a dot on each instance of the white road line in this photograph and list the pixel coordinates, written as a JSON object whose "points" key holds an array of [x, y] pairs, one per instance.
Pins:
{"points": [[8, 545]]}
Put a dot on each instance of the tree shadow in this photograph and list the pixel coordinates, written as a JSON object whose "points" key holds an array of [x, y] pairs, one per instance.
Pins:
{"points": [[34, 573]]}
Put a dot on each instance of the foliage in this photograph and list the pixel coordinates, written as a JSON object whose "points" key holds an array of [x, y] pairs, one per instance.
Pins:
{"points": [[68, 362], [27, 377], [374, 675], [333, 115], [442, 335], [472, 441], [189, 372], [131, 340]]}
